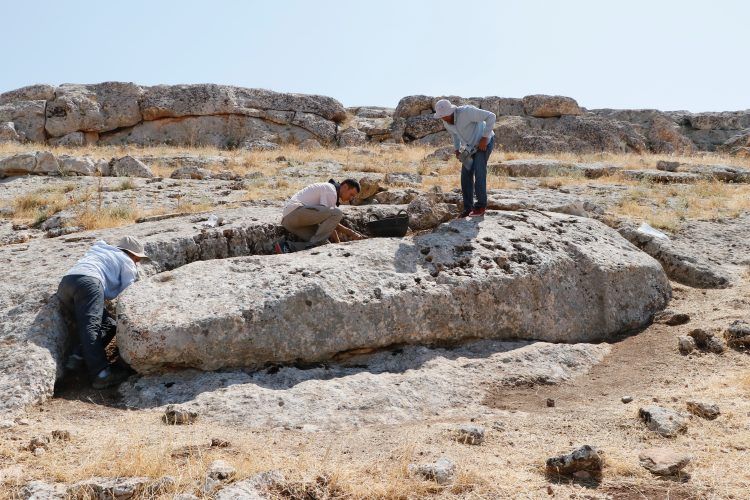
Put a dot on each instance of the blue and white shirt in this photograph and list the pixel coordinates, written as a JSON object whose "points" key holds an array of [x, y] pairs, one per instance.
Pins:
{"points": [[110, 265]]}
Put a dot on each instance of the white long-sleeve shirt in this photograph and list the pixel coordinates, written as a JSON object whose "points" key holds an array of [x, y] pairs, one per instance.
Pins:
{"points": [[469, 125], [110, 265], [320, 193]]}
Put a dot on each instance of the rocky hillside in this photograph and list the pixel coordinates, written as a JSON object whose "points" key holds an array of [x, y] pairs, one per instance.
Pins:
{"points": [[233, 117]]}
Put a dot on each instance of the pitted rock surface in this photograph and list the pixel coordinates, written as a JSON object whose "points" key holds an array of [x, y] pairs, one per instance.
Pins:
{"points": [[510, 276], [385, 387]]}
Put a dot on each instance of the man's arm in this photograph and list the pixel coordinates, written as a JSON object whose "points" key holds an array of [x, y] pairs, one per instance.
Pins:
{"points": [[350, 233], [489, 119], [128, 275]]}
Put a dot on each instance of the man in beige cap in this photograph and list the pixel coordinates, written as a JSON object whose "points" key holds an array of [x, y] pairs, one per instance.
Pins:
{"points": [[473, 141], [103, 273]]}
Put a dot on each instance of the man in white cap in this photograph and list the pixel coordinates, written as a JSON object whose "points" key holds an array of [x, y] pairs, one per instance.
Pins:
{"points": [[103, 273], [473, 141]]}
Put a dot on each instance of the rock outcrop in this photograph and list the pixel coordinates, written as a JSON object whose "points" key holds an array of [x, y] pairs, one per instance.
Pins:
{"points": [[229, 117], [512, 276], [204, 114]]}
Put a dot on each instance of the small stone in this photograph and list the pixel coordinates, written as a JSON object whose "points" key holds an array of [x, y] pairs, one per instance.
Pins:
{"points": [[442, 471], [671, 318], [709, 411], [663, 461], [61, 435], [185, 496], [219, 443], [470, 434], [550, 403], [174, 415], [586, 458], [663, 421], [220, 471], [627, 399], [715, 345], [686, 344], [738, 334], [160, 486], [39, 490], [38, 452], [38, 442], [708, 341]]}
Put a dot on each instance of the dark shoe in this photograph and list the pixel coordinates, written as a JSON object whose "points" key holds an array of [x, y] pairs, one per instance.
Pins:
{"points": [[110, 377], [464, 214], [74, 363], [477, 212], [280, 248]]}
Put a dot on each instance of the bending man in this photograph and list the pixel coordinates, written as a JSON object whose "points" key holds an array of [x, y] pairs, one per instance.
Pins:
{"points": [[473, 141], [313, 215], [103, 273]]}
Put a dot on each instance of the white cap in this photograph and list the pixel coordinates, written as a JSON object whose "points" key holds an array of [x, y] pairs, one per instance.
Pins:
{"points": [[444, 108]]}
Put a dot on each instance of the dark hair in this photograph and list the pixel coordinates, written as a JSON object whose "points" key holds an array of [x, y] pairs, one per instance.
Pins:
{"points": [[352, 183]]}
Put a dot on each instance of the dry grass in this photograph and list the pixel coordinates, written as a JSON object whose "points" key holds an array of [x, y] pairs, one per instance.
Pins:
{"points": [[667, 206], [38, 206]]}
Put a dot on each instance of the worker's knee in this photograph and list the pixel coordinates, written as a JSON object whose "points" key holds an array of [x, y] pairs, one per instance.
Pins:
{"points": [[337, 213]]}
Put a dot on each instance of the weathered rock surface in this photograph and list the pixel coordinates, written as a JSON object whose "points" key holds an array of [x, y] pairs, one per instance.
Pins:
{"points": [[659, 176], [103, 487], [127, 166], [703, 409], [38, 163], [8, 133], [663, 421], [427, 286], [663, 461], [548, 106], [584, 459], [27, 118], [725, 173], [384, 387], [680, 262], [441, 471], [738, 334], [550, 168]]}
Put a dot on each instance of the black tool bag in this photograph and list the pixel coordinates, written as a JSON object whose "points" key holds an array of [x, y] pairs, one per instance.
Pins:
{"points": [[394, 226]]}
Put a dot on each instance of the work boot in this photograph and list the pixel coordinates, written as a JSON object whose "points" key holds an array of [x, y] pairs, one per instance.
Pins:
{"points": [[111, 376], [464, 214], [477, 212]]}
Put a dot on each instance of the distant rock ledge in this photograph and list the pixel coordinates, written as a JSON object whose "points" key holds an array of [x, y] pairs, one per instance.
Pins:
{"points": [[230, 117]]}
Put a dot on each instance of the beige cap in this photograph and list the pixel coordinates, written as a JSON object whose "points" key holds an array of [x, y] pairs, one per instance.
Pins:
{"points": [[444, 108], [131, 245]]}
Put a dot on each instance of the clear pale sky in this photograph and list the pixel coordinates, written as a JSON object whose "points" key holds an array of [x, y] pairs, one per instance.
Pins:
{"points": [[666, 54]]}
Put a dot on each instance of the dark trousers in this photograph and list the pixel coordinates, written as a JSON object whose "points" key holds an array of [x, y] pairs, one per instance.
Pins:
{"points": [[82, 300], [474, 179]]}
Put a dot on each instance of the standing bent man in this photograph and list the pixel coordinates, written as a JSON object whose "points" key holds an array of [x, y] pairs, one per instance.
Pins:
{"points": [[473, 141], [103, 273], [313, 215]]}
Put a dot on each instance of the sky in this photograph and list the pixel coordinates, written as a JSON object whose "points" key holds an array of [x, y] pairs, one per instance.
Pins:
{"points": [[670, 55]]}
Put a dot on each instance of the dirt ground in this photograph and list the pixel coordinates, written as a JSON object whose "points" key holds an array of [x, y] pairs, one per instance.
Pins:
{"points": [[372, 462]]}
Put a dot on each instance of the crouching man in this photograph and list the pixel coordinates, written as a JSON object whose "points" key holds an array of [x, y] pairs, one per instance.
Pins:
{"points": [[103, 273], [312, 214]]}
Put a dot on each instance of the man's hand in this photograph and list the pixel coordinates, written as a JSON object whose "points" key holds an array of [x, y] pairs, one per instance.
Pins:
{"points": [[457, 152], [482, 146]]}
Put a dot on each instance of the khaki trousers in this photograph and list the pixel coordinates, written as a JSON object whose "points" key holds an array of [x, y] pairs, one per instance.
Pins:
{"points": [[313, 224]]}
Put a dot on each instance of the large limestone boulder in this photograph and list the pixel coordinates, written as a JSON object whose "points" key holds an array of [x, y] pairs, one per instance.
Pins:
{"points": [[38, 163], [127, 166], [38, 92], [548, 106], [221, 131], [510, 276], [8, 132], [664, 137], [726, 120], [27, 118], [93, 108], [172, 101]]}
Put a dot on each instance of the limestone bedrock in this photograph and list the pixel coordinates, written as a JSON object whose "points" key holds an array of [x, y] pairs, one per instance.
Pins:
{"points": [[511, 275]]}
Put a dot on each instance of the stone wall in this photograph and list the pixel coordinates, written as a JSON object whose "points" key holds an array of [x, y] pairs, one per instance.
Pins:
{"points": [[200, 115], [233, 117]]}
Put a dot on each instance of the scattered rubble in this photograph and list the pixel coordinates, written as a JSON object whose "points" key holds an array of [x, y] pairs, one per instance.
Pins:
{"points": [[663, 421], [584, 459], [664, 461], [441, 471]]}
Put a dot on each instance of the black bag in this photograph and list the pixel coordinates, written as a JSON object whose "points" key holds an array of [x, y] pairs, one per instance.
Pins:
{"points": [[387, 227]]}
